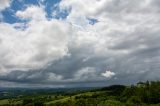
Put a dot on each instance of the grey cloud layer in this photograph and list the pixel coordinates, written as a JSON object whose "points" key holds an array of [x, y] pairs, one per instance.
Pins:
{"points": [[122, 47]]}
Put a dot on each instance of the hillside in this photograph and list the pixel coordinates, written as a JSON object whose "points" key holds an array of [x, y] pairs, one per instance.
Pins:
{"points": [[142, 94]]}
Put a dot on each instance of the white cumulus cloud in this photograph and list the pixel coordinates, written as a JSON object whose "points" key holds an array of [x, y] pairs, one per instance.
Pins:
{"points": [[41, 42], [108, 74]]}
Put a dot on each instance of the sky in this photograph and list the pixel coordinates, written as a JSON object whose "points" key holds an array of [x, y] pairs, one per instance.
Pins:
{"points": [[78, 43]]}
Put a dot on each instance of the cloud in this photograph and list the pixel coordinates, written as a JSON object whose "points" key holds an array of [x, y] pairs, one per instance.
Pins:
{"points": [[53, 77], [125, 38], [41, 42], [32, 12], [86, 74], [108, 74], [4, 4], [71, 51]]}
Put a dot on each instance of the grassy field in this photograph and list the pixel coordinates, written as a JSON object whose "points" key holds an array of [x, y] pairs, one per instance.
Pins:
{"points": [[10, 101], [5, 101], [72, 98]]}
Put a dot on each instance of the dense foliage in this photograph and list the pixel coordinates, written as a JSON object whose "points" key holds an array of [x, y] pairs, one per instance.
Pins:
{"points": [[142, 94]]}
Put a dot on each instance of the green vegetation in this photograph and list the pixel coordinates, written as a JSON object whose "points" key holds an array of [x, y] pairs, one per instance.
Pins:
{"points": [[142, 94]]}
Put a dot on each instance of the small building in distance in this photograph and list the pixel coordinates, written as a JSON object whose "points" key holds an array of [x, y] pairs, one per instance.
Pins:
{"points": [[141, 84]]}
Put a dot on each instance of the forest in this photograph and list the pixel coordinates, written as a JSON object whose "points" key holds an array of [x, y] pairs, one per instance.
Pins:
{"points": [[140, 94]]}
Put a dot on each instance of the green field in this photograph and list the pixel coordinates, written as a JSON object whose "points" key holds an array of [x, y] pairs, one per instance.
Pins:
{"points": [[143, 94]]}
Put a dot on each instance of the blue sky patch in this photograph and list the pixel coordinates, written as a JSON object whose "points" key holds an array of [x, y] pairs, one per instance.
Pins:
{"points": [[92, 21], [51, 7]]}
